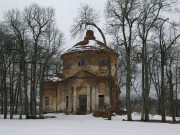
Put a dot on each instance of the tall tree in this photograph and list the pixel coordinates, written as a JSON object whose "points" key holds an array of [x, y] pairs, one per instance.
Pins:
{"points": [[166, 42], [30, 40], [7, 59], [171, 90], [149, 15], [53, 40], [37, 19], [19, 29], [122, 16]]}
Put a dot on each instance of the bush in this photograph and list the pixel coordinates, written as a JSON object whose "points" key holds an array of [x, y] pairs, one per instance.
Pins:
{"points": [[100, 114]]}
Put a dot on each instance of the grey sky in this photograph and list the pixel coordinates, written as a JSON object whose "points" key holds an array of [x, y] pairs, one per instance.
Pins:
{"points": [[66, 10]]}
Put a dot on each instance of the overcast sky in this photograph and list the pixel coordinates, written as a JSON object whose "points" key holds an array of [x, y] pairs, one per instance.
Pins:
{"points": [[65, 11]]}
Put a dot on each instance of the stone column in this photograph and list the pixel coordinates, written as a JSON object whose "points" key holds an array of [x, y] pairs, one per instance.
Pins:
{"points": [[74, 100], [88, 98], [70, 101], [55, 100], [93, 98], [107, 100]]}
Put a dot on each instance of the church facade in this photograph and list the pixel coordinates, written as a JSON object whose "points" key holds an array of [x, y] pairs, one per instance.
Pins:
{"points": [[83, 86]]}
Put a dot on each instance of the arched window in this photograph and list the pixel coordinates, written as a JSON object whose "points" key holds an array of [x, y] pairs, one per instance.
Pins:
{"points": [[83, 62], [65, 65], [104, 62]]}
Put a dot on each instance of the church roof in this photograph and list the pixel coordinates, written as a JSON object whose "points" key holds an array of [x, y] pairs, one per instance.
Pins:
{"points": [[82, 74], [89, 43]]}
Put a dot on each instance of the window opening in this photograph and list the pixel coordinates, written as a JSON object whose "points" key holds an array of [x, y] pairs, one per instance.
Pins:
{"points": [[83, 62], [101, 100], [104, 62]]}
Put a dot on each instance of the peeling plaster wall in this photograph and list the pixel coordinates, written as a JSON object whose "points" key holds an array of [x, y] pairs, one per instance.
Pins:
{"points": [[90, 87], [93, 65]]}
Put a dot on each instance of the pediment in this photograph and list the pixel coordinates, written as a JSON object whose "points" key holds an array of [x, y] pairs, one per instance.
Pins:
{"points": [[83, 74]]}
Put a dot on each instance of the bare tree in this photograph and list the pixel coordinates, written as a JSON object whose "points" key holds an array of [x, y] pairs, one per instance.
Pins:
{"points": [[165, 45], [177, 79], [37, 19], [149, 15], [53, 40], [7, 61], [171, 87], [149, 18], [122, 16], [15, 21], [30, 42], [155, 71]]}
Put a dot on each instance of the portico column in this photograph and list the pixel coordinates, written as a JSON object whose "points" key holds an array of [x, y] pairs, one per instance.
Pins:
{"points": [[93, 98], [88, 98], [70, 101], [74, 100]]}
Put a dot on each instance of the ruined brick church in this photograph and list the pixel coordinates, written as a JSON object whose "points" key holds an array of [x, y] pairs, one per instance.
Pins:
{"points": [[83, 85]]}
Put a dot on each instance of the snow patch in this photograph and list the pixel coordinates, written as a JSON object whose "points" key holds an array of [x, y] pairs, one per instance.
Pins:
{"points": [[55, 79], [85, 125], [92, 45]]}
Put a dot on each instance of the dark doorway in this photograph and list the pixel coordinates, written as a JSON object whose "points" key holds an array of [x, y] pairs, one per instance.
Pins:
{"points": [[101, 100], [82, 104], [47, 103], [67, 102]]}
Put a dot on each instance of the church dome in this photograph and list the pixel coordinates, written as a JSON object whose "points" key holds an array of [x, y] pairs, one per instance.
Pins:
{"points": [[89, 55]]}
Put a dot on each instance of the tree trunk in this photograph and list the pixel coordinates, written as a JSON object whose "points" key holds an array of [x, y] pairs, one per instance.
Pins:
{"points": [[173, 113], [26, 94], [142, 96], [33, 89], [12, 93], [5, 95], [40, 93], [2, 93], [20, 96], [24, 69], [163, 112], [176, 100], [146, 82], [128, 85]]}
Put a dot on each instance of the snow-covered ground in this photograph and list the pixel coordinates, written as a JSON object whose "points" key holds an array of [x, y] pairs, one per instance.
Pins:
{"points": [[85, 125]]}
